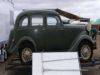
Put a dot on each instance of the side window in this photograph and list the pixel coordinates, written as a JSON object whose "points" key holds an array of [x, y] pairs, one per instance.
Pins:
{"points": [[37, 20], [52, 21]]}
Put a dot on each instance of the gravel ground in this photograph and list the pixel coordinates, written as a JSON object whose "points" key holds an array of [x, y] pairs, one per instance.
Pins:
{"points": [[25, 71]]}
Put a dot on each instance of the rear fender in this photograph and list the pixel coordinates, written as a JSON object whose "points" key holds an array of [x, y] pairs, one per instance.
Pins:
{"points": [[15, 48]]}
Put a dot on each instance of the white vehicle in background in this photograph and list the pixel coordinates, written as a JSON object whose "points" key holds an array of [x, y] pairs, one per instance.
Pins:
{"points": [[3, 53], [6, 24]]}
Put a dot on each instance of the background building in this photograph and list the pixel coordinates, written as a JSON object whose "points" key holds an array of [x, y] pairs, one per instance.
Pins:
{"points": [[96, 24]]}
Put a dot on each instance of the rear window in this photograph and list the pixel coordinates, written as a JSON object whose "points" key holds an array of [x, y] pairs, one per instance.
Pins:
{"points": [[24, 21]]}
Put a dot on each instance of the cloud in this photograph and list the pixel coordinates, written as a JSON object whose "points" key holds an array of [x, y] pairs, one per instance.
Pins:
{"points": [[85, 8]]}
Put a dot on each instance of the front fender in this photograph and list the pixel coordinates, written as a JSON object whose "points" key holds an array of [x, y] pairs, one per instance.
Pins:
{"points": [[76, 42]]}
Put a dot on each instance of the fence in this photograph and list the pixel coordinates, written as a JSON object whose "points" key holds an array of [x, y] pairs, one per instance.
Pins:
{"points": [[55, 63]]}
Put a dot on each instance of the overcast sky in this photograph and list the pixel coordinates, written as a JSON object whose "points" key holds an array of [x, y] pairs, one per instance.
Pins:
{"points": [[84, 8]]}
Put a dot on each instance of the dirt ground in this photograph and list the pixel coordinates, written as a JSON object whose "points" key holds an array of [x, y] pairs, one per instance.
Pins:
{"points": [[2, 69], [97, 51], [92, 71], [95, 70]]}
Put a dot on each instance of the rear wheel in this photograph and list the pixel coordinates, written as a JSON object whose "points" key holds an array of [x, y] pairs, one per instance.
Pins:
{"points": [[26, 53], [85, 52]]}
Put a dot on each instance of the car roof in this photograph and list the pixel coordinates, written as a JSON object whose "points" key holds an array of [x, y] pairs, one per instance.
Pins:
{"points": [[45, 11]]}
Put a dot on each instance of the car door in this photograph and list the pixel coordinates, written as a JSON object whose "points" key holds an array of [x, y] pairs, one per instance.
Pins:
{"points": [[53, 34], [36, 30]]}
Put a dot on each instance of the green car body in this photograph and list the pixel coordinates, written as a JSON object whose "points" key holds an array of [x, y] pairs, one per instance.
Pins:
{"points": [[47, 38]]}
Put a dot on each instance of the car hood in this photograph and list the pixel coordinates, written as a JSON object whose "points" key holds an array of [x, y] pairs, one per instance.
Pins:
{"points": [[83, 26]]}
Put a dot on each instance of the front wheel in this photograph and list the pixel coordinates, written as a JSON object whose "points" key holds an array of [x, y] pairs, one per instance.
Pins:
{"points": [[85, 52]]}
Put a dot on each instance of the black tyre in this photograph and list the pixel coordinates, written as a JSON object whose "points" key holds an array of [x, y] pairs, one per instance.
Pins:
{"points": [[26, 53], [85, 51]]}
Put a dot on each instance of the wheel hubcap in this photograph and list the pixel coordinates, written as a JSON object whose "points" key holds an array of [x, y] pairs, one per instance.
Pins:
{"points": [[85, 52], [26, 55]]}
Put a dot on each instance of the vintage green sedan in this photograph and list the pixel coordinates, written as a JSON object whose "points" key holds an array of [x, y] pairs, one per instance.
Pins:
{"points": [[44, 31]]}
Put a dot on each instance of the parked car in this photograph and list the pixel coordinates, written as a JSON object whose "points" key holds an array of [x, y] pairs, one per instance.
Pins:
{"points": [[44, 31]]}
